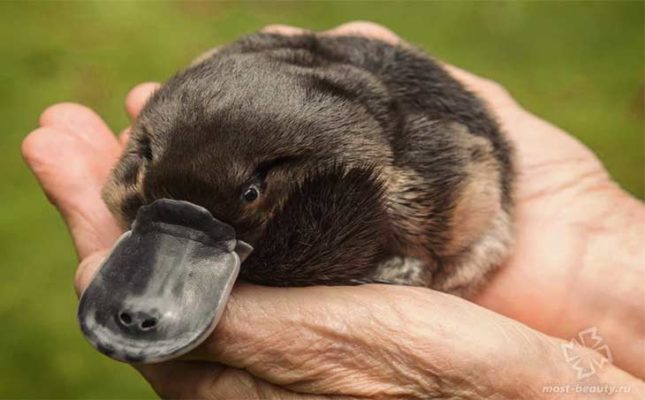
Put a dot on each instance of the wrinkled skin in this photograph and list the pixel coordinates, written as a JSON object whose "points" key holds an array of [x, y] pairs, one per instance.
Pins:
{"points": [[577, 264]]}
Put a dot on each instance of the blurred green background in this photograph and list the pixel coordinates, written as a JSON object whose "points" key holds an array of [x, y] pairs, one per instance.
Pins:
{"points": [[579, 65]]}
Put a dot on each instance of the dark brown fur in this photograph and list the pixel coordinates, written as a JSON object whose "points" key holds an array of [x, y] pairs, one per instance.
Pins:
{"points": [[374, 165]]}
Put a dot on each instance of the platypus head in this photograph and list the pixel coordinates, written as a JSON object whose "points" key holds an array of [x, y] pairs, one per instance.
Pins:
{"points": [[242, 133], [236, 134]]}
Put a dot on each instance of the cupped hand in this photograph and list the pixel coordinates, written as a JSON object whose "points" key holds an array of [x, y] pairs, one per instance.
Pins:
{"points": [[381, 340], [577, 262]]}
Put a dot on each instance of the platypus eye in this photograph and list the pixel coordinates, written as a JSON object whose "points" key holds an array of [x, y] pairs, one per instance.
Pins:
{"points": [[251, 194], [253, 191]]}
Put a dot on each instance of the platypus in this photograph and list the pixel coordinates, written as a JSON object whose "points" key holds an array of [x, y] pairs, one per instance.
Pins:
{"points": [[338, 160]]}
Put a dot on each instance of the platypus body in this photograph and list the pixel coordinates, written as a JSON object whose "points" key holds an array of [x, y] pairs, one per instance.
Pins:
{"points": [[340, 160]]}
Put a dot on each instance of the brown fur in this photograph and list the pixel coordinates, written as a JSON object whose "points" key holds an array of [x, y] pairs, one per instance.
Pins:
{"points": [[374, 165]]}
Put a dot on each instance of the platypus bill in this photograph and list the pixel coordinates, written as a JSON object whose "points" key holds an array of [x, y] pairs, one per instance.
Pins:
{"points": [[164, 286]]}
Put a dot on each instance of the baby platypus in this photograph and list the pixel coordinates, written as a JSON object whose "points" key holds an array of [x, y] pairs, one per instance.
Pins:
{"points": [[340, 160], [294, 161]]}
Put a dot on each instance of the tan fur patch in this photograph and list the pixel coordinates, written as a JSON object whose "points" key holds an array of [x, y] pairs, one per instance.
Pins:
{"points": [[480, 232], [409, 217], [479, 200], [464, 274]]}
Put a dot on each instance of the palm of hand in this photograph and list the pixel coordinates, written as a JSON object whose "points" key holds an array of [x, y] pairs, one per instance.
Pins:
{"points": [[562, 193]]}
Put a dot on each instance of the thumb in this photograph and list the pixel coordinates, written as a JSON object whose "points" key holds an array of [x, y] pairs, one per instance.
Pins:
{"points": [[71, 156], [301, 338], [87, 269]]}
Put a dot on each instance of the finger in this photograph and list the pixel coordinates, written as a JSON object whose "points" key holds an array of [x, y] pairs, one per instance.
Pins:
{"points": [[124, 137], [366, 29], [204, 56], [138, 96], [467, 78], [87, 269], [293, 337], [411, 341], [71, 167], [530, 135], [283, 30], [205, 380], [72, 176], [356, 28], [82, 123], [497, 97]]}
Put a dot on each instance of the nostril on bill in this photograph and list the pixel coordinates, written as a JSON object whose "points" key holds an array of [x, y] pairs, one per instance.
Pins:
{"points": [[138, 320], [148, 324], [125, 318]]}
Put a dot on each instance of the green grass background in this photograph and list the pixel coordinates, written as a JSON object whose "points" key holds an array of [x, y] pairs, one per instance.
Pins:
{"points": [[579, 65]]}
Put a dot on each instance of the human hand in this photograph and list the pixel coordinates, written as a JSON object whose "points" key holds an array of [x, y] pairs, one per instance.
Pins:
{"points": [[270, 331], [577, 262], [383, 341], [566, 273]]}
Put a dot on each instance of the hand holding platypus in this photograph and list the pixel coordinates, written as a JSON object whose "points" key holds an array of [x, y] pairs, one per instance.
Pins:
{"points": [[340, 160], [275, 333]]}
